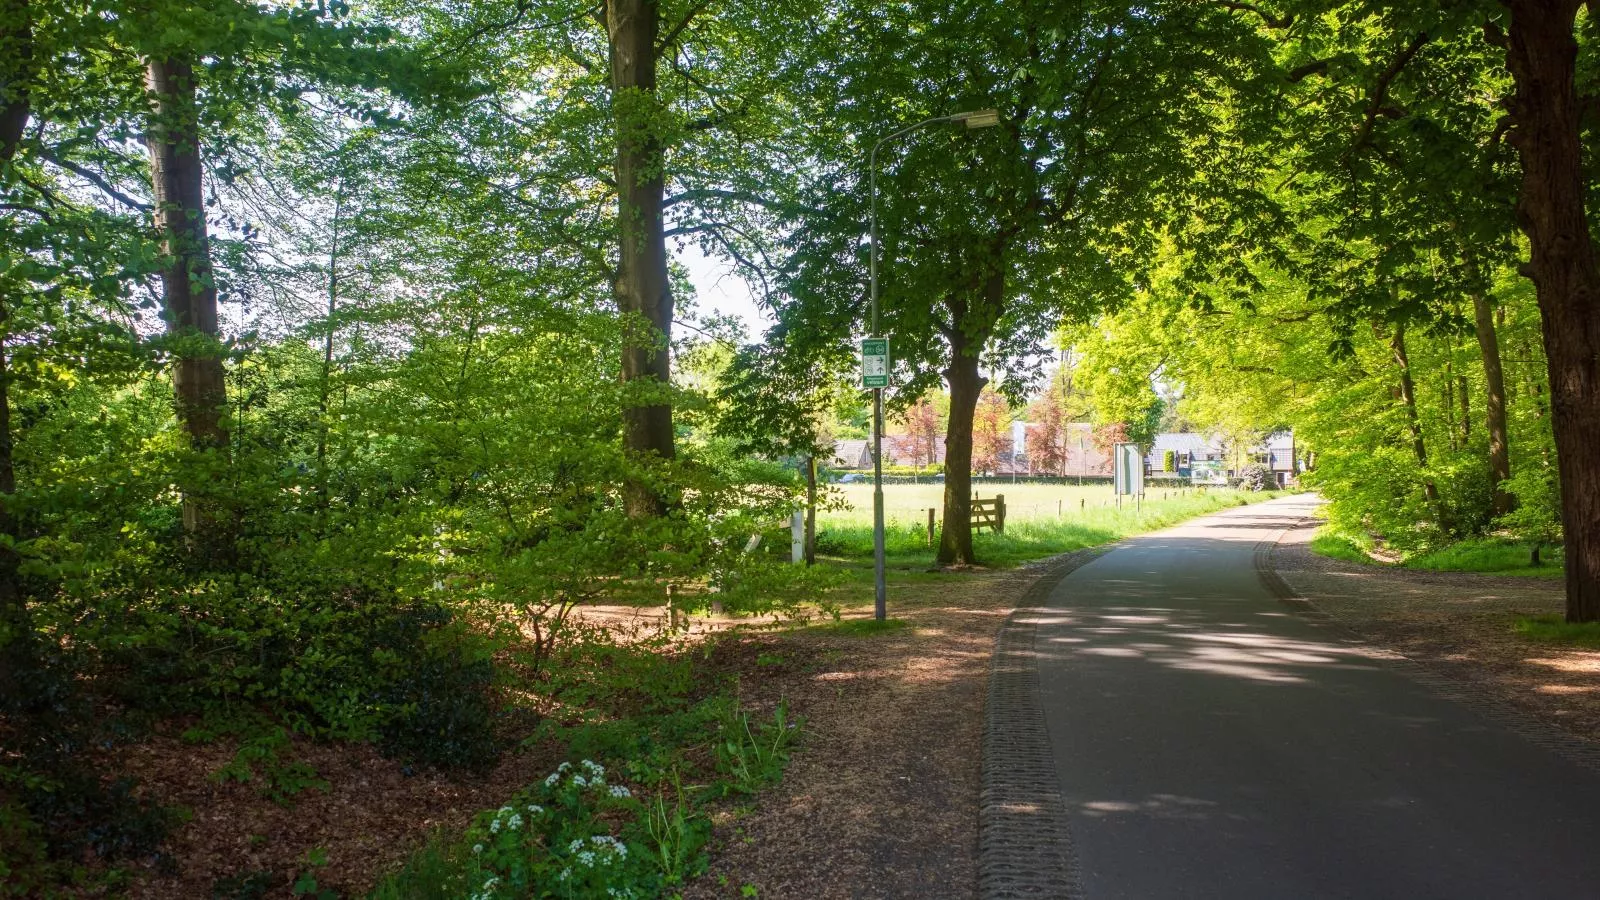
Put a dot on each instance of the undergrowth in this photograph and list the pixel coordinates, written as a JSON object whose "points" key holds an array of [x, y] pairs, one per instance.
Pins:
{"points": [[655, 735]]}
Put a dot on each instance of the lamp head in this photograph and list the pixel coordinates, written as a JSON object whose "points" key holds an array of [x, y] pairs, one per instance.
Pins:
{"points": [[978, 118]]}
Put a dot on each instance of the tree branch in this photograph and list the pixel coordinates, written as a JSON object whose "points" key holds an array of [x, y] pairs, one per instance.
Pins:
{"points": [[677, 29], [1302, 72], [98, 181], [1380, 91], [1267, 18]]}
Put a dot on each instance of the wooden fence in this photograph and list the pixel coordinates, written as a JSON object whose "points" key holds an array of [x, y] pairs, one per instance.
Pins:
{"points": [[990, 514]]}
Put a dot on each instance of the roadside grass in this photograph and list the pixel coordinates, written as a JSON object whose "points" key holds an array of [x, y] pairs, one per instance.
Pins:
{"points": [[860, 627], [1337, 544], [1488, 555], [1553, 629]]}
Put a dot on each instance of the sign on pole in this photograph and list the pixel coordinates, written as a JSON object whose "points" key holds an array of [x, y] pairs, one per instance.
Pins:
{"points": [[1128, 465], [875, 362]]}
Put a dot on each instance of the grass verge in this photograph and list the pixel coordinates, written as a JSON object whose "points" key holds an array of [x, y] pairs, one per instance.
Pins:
{"points": [[1487, 555], [1555, 630], [1496, 555]]}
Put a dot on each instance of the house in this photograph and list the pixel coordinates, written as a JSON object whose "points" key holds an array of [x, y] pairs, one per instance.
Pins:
{"points": [[1208, 458], [852, 454], [1193, 453]]}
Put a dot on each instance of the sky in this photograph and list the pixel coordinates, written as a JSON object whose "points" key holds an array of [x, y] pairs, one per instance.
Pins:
{"points": [[719, 289]]}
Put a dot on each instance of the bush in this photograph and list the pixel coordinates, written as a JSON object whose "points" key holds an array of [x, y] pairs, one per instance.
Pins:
{"points": [[1255, 477]]}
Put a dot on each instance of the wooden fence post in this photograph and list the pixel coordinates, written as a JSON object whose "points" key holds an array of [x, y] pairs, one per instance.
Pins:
{"points": [[930, 526], [1000, 514]]}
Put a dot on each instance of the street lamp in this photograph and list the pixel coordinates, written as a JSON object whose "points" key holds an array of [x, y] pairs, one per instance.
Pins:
{"points": [[978, 118]]}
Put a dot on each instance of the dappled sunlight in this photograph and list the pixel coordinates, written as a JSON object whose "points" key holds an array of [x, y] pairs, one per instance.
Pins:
{"points": [[1578, 662], [1160, 806], [1188, 641]]}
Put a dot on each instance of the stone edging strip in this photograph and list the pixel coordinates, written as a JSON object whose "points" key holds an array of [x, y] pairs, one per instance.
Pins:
{"points": [[1024, 846], [1477, 697]]}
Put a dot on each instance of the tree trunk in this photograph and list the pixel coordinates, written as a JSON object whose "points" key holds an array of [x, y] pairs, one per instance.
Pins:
{"points": [[16, 77], [1494, 411], [955, 537], [1450, 406], [325, 390], [189, 293], [811, 510], [1542, 55], [972, 319], [1408, 398], [643, 292]]}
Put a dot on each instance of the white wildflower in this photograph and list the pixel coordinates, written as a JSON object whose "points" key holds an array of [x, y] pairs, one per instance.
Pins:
{"points": [[575, 846], [618, 790], [580, 781], [552, 779], [594, 768], [535, 809], [586, 857], [477, 848], [494, 827], [563, 767], [514, 822], [564, 874]]}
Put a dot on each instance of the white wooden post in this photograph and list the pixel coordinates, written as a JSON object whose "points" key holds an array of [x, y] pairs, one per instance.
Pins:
{"points": [[797, 537]]}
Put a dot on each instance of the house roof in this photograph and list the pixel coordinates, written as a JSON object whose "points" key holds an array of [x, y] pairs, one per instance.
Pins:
{"points": [[1183, 442]]}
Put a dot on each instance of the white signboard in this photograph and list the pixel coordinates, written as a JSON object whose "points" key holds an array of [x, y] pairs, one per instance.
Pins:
{"points": [[1128, 466]]}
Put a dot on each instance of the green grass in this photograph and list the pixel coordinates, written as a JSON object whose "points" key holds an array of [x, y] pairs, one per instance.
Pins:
{"points": [[1496, 555], [1554, 630], [1329, 541], [860, 627], [1033, 529], [1489, 555]]}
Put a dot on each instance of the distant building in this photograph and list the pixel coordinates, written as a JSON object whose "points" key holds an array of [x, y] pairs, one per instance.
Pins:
{"points": [[852, 454], [1208, 458]]}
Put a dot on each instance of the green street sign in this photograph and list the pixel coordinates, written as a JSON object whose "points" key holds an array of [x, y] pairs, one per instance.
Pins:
{"points": [[875, 362]]}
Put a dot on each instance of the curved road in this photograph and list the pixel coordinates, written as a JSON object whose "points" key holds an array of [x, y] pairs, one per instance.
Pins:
{"points": [[1212, 743]]}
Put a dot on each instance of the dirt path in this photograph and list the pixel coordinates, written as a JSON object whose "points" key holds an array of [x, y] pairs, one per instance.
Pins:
{"points": [[881, 799], [1459, 626]]}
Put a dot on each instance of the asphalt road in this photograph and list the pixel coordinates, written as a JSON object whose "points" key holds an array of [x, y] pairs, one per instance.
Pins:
{"points": [[1210, 742]]}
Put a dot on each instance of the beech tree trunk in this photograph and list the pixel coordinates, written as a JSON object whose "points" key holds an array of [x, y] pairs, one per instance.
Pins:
{"points": [[189, 293], [1494, 400], [16, 76], [972, 319], [811, 510], [955, 536], [1408, 398], [1542, 54], [643, 291]]}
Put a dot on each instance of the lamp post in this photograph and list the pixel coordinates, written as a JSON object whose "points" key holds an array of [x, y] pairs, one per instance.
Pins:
{"points": [[980, 118]]}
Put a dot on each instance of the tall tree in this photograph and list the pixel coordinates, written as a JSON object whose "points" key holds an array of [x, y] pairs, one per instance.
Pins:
{"points": [[189, 289], [991, 238], [1552, 112], [642, 287]]}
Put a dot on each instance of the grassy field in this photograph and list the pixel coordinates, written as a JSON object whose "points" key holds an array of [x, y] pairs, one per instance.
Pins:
{"points": [[910, 503], [1088, 517]]}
